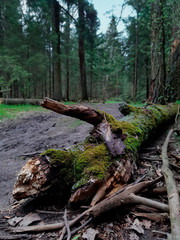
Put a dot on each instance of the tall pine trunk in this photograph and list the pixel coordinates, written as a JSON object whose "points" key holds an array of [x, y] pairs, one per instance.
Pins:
{"points": [[67, 53], [173, 77], [136, 59], [81, 50], [147, 78], [57, 63], [158, 66]]}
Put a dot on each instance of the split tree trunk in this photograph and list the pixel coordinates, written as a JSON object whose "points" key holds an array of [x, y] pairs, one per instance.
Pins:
{"points": [[103, 163]]}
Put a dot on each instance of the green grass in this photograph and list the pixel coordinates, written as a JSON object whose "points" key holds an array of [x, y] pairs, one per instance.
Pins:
{"points": [[136, 104], [69, 103], [13, 111]]}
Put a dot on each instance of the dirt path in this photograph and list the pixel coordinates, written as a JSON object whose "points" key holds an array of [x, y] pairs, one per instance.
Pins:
{"points": [[36, 132]]}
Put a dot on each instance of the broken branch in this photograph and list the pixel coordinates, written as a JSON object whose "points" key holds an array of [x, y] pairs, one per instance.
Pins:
{"points": [[173, 196]]}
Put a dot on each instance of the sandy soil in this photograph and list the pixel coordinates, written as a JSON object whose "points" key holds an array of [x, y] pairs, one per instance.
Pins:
{"points": [[36, 132]]}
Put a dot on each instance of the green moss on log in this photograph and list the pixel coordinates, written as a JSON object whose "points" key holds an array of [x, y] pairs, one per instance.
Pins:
{"points": [[63, 161], [78, 166], [94, 161], [139, 123]]}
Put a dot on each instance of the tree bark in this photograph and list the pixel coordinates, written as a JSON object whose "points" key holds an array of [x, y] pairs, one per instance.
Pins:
{"points": [[158, 67], [173, 78], [86, 114]]}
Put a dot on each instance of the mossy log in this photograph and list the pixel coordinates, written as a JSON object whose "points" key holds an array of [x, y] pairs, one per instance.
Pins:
{"points": [[97, 168]]}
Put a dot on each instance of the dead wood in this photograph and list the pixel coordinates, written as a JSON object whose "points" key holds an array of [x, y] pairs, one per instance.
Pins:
{"points": [[122, 138], [38, 228], [159, 191], [157, 217], [67, 225], [123, 197], [80, 227], [173, 196], [86, 114], [175, 156], [89, 115], [126, 196], [36, 176]]}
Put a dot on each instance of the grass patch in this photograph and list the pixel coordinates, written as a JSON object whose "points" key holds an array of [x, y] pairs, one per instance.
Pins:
{"points": [[69, 103], [13, 111], [137, 104], [134, 104]]}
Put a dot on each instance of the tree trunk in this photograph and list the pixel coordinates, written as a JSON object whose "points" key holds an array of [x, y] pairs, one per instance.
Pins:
{"points": [[147, 79], [173, 79], [91, 74], [136, 59], [67, 53], [82, 64], [158, 68], [57, 63], [105, 159]]}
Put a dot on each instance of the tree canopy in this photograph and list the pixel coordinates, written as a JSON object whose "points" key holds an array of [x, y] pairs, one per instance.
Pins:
{"points": [[55, 48]]}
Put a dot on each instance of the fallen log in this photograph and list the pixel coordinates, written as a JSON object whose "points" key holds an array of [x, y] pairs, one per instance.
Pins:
{"points": [[105, 159], [20, 101]]}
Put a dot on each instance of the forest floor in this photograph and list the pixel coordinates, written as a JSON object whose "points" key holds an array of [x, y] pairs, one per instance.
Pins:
{"points": [[33, 133]]}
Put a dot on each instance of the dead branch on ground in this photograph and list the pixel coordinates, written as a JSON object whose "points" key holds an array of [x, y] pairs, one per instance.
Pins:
{"points": [[172, 192]]}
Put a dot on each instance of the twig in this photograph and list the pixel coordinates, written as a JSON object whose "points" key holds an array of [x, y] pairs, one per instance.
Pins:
{"points": [[160, 232], [39, 228], [49, 212], [150, 159], [173, 196], [159, 190], [150, 149], [62, 232], [148, 202], [174, 165], [176, 157], [80, 227], [72, 223], [67, 226]]}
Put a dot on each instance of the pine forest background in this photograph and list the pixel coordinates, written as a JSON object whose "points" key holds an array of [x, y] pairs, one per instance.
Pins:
{"points": [[54, 48]]}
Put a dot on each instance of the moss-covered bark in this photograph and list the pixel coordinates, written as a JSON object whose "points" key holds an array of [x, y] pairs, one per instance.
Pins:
{"points": [[95, 160]]}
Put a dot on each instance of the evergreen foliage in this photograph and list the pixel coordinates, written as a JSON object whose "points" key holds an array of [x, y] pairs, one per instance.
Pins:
{"points": [[53, 48]]}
